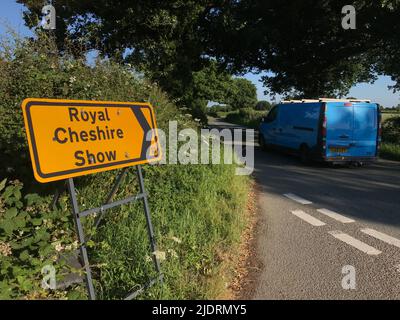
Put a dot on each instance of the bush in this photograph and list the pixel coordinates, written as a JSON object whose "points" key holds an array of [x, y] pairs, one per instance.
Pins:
{"points": [[197, 210], [391, 130], [31, 237], [390, 151], [216, 109], [263, 106], [246, 117]]}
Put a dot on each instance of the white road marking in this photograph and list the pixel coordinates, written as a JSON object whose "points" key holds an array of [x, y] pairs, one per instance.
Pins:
{"points": [[382, 236], [296, 198], [335, 215], [308, 218], [355, 243]]}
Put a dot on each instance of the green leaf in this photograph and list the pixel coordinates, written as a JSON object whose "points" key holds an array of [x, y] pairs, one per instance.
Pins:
{"points": [[17, 271], [11, 213], [8, 192], [20, 222], [8, 226], [3, 184], [24, 255], [17, 193], [74, 295], [91, 244], [37, 221], [42, 234], [46, 250], [32, 198]]}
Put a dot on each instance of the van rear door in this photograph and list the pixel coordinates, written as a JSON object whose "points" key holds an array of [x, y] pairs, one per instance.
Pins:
{"points": [[339, 129], [365, 129], [352, 129]]}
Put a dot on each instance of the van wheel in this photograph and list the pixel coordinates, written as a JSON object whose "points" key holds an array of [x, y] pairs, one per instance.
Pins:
{"points": [[304, 154]]}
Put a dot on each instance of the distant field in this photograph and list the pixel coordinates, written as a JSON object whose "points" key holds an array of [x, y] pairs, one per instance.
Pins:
{"points": [[386, 116]]}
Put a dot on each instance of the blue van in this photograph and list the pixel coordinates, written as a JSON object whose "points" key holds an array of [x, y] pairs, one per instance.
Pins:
{"points": [[331, 130]]}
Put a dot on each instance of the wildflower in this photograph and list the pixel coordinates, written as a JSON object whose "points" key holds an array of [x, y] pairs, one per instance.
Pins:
{"points": [[58, 246], [5, 249], [160, 255], [177, 240], [173, 253]]}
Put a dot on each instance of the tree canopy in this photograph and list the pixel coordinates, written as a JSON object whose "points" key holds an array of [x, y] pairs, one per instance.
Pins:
{"points": [[301, 44], [263, 105]]}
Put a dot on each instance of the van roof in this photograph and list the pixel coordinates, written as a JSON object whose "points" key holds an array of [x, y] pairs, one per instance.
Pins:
{"points": [[326, 100]]}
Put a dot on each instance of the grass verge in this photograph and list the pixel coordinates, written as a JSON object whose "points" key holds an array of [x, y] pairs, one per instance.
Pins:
{"points": [[198, 214], [390, 151]]}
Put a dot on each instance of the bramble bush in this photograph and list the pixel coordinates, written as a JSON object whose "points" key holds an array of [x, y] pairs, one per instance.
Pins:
{"points": [[31, 236]]}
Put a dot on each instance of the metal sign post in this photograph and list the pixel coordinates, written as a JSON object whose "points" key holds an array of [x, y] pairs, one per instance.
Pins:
{"points": [[77, 215]]}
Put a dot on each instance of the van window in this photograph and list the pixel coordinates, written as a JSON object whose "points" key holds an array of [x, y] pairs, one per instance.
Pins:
{"points": [[365, 118], [272, 115], [340, 118]]}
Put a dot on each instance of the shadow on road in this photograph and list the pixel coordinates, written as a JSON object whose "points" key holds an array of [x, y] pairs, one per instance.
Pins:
{"points": [[371, 192]]}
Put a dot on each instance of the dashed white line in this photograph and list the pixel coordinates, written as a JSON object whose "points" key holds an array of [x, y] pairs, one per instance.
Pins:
{"points": [[296, 198], [382, 236], [335, 215], [355, 242], [308, 218]]}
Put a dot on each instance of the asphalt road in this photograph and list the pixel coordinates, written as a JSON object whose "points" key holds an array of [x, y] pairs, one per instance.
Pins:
{"points": [[302, 251]]}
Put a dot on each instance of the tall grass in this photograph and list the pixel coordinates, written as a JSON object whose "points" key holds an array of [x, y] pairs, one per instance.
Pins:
{"points": [[390, 151]]}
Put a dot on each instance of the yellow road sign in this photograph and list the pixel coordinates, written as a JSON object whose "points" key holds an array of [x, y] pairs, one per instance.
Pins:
{"points": [[69, 138]]}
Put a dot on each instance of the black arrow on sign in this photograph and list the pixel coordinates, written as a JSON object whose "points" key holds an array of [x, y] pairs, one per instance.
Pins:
{"points": [[146, 128]]}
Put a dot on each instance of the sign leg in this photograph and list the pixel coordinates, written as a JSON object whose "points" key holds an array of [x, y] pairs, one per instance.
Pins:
{"points": [[111, 195], [81, 237], [148, 219]]}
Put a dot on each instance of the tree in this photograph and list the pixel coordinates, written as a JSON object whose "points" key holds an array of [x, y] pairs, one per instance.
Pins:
{"points": [[263, 105], [160, 38], [301, 44], [304, 47], [242, 94]]}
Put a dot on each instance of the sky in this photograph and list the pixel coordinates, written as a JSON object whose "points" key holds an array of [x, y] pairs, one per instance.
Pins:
{"points": [[11, 16]]}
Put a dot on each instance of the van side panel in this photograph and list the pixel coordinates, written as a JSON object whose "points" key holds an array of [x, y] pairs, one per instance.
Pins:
{"points": [[299, 124]]}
